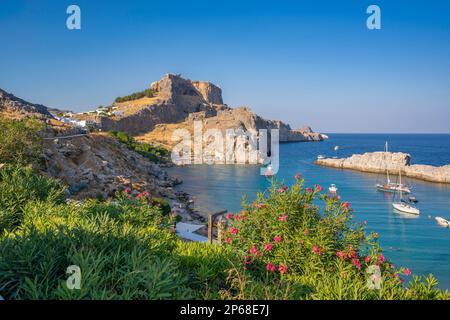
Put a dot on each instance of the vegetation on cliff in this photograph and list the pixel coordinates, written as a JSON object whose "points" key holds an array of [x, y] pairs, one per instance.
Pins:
{"points": [[136, 95], [153, 153], [20, 141]]}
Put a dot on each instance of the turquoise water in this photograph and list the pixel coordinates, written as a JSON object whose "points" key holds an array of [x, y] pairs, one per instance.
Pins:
{"points": [[415, 242]]}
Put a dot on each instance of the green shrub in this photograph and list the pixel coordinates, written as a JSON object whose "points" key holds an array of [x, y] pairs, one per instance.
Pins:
{"points": [[20, 186], [153, 153], [136, 95], [123, 251], [206, 267], [20, 141]]}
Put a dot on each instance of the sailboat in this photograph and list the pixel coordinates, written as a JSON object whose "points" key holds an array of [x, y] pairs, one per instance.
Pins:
{"points": [[389, 186], [402, 205]]}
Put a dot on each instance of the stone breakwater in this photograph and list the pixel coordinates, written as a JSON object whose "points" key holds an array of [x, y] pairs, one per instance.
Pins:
{"points": [[377, 162]]}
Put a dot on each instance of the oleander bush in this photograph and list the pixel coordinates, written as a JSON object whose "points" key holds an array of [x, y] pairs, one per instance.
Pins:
{"points": [[307, 244]]}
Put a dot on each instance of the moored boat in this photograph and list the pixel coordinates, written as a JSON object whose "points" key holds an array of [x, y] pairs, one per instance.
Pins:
{"points": [[389, 186], [402, 205], [333, 188], [441, 221]]}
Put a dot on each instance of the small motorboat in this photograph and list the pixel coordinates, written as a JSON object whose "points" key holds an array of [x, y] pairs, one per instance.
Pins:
{"points": [[413, 199], [333, 188], [320, 157], [443, 222]]}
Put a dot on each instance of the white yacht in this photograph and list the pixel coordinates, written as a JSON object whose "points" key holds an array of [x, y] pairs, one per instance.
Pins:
{"points": [[403, 205]]}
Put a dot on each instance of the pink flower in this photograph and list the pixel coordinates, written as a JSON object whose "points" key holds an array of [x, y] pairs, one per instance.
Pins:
{"points": [[316, 250], [127, 190], [341, 254], [280, 190], [282, 268], [260, 205], [346, 204], [306, 232], [285, 187], [268, 247], [247, 260], [367, 259], [236, 217], [309, 190], [233, 230], [318, 187], [277, 239], [407, 272], [270, 267], [356, 262], [381, 258], [253, 250], [298, 176], [229, 215], [229, 240], [283, 217]]}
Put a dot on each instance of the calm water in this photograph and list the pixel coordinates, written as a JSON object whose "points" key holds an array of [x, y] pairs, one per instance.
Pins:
{"points": [[416, 242]]}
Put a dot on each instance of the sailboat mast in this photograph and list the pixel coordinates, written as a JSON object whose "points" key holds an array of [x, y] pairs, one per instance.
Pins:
{"points": [[388, 180]]}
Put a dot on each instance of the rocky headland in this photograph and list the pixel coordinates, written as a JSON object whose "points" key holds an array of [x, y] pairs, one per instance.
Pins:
{"points": [[177, 102], [378, 162]]}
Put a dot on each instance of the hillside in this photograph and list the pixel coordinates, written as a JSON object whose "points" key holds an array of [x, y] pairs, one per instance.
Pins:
{"points": [[13, 107]]}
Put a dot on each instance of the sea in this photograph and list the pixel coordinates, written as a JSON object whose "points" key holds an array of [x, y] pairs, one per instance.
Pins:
{"points": [[417, 242]]}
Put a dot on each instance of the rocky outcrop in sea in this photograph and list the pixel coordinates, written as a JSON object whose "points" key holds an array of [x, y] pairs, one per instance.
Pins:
{"points": [[379, 162]]}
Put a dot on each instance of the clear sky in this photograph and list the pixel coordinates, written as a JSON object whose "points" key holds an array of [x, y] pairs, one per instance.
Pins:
{"points": [[304, 62]]}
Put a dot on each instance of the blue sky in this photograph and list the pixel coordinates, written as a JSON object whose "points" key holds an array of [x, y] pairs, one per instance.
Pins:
{"points": [[303, 62]]}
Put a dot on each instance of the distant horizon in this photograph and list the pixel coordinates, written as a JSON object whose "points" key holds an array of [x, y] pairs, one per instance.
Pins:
{"points": [[309, 63]]}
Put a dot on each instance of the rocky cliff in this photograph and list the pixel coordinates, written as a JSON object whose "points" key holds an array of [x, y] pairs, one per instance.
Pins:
{"points": [[377, 162], [239, 118], [12, 106], [98, 165], [179, 101]]}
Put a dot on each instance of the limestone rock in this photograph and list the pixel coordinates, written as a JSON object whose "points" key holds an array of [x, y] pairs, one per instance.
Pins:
{"points": [[377, 162]]}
